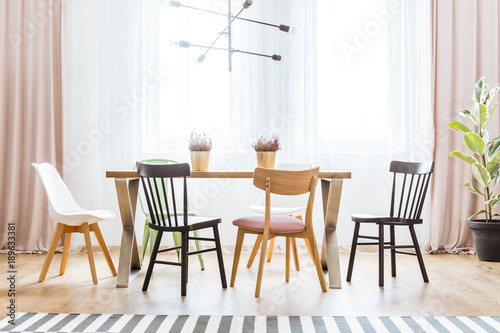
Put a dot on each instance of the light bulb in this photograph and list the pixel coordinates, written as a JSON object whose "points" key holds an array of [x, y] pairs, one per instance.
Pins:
{"points": [[171, 2], [294, 31], [247, 3], [201, 59], [180, 43]]}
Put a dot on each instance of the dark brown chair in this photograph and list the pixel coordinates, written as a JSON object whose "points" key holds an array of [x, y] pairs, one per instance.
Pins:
{"points": [[407, 201], [164, 218]]}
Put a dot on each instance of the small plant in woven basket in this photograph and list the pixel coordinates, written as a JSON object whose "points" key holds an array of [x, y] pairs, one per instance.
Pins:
{"points": [[267, 144], [266, 149], [200, 141]]}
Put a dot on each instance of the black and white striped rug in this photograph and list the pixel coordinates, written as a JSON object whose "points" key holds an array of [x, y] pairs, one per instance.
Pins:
{"points": [[64, 322]]}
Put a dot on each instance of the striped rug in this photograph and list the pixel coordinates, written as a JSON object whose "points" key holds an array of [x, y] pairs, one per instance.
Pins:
{"points": [[64, 322]]}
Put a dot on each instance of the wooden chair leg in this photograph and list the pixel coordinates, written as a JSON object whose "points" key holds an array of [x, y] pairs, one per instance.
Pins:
{"points": [[67, 240], [271, 247], [287, 260], [419, 254], [198, 247], [317, 261], [104, 248], [353, 251], [152, 259], [237, 252], [50, 252], [263, 249], [222, 271], [90, 253], [177, 242], [308, 245], [381, 255], [184, 262], [393, 251], [145, 241], [295, 253], [254, 250], [152, 239]]}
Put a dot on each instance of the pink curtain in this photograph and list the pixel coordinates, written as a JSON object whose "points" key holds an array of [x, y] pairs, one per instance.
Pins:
{"points": [[31, 116], [465, 47]]}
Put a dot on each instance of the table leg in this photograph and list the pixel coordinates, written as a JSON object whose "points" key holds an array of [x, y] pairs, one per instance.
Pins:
{"points": [[331, 191], [129, 255]]}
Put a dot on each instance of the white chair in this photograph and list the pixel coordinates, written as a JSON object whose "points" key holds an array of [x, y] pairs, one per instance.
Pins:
{"points": [[70, 217], [294, 206]]}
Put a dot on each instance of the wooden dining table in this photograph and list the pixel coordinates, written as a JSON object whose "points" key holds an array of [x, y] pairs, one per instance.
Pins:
{"points": [[127, 189]]}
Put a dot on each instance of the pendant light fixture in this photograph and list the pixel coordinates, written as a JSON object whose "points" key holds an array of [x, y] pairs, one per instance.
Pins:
{"points": [[227, 32]]}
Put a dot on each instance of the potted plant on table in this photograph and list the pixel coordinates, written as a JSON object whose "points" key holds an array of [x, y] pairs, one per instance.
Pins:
{"points": [[266, 149], [200, 145], [485, 164]]}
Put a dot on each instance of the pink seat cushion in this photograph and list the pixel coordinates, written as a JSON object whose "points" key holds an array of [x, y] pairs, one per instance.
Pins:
{"points": [[279, 224]]}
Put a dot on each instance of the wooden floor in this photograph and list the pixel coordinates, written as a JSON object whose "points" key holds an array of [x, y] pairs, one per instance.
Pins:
{"points": [[459, 285]]}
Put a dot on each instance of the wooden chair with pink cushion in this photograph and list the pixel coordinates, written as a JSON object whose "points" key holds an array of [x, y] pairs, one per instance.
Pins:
{"points": [[294, 206], [270, 226]]}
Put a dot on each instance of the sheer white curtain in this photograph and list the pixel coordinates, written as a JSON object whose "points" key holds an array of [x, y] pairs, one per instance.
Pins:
{"points": [[105, 83], [353, 95]]}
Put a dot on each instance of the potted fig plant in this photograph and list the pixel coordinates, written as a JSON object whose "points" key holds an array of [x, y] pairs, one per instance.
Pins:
{"points": [[485, 167], [266, 149], [200, 145]]}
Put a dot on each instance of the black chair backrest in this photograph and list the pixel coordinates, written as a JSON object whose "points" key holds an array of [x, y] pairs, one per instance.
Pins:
{"points": [[411, 197], [154, 179]]}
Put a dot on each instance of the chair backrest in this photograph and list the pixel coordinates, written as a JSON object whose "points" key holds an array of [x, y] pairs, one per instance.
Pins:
{"points": [[294, 201], [286, 182], [60, 199], [155, 179], [154, 161], [408, 199]]}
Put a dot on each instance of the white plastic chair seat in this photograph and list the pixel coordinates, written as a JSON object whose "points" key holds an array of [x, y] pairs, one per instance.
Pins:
{"points": [[78, 217], [278, 210]]}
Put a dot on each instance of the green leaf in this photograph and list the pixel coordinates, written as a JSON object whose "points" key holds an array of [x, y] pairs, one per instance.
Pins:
{"points": [[494, 148], [483, 115], [491, 95], [494, 203], [495, 175], [480, 212], [493, 198], [485, 136], [466, 158], [490, 166], [474, 113], [493, 161], [465, 113], [459, 127], [474, 143], [481, 174], [473, 189], [490, 113], [480, 91], [493, 108]]}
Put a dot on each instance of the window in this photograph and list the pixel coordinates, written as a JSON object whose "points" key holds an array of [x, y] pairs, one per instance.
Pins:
{"points": [[352, 77], [191, 95]]}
